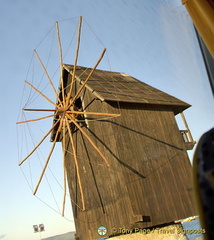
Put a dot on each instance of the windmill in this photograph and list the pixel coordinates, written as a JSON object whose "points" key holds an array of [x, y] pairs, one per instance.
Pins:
{"points": [[124, 157], [66, 113]]}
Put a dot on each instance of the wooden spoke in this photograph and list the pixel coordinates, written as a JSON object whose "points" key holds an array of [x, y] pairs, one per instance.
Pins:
{"points": [[64, 194], [36, 119], [39, 110], [95, 113], [40, 93], [64, 167], [90, 74], [47, 75], [76, 164], [39, 142], [75, 62], [48, 158], [75, 112], [89, 139], [60, 62]]}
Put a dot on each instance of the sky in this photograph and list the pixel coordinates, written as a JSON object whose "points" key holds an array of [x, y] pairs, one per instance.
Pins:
{"points": [[153, 41]]}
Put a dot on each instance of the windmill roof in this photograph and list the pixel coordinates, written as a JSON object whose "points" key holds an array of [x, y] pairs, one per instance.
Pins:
{"points": [[116, 86]]}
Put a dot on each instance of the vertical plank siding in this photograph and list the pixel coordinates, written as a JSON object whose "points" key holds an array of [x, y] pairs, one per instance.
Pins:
{"points": [[148, 182]]}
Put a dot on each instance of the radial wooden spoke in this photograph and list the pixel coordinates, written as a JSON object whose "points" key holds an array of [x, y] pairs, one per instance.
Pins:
{"points": [[95, 113], [39, 110], [36, 119], [90, 74], [76, 164], [47, 75], [41, 93], [39, 142], [64, 167], [48, 158], [89, 139], [75, 62], [60, 61]]}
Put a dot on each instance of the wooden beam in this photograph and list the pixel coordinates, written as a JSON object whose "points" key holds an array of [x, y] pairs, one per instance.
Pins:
{"points": [[41, 94], [87, 79], [64, 167], [75, 62], [36, 119], [187, 127], [47, 75], [39, 142], [89, 139], [60, 61], [95, 113], [76, 164], [75, 112], [39, 110], [48, 158]]}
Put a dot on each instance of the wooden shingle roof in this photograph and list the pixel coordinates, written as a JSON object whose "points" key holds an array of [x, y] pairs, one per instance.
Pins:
{"points": [[116, 86]]}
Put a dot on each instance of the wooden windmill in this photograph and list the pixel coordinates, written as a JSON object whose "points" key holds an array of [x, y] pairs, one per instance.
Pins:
{"points": [[125, 160]]}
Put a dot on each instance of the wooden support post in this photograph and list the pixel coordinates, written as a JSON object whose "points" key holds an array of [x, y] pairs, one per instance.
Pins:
{"points": [[187, 127]]}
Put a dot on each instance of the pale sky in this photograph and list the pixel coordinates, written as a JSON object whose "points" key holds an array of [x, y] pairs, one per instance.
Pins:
{"points": [[153, 41]]}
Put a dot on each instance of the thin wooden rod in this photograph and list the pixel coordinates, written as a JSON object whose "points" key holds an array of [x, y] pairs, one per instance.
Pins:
{"points": [[41, 93], [187, 127], [39, 110], [60, 61], [90, 74], [48, 158], [39, 142], [95, 113], [75, 112], [47, 75], [59, 43], [64, 168], [76, 164], [36, 119], [64, 192], [89, 139], [75, 61]]}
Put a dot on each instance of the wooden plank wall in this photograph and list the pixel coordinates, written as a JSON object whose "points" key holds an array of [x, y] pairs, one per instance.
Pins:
{"points": [[149, 180]]}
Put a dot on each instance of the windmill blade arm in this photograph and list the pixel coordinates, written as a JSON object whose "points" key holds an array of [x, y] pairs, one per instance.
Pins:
{"points": [[39, 143], [95, 113], [48, 159], [76, 164], [64, 167], [90, 140], [47, 75], [36, 119], [87, 79], [41, 93], [75, 62], [60, 60]]}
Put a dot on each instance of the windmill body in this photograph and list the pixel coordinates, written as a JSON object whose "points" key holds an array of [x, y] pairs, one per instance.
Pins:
{"points": [[147, 178]]}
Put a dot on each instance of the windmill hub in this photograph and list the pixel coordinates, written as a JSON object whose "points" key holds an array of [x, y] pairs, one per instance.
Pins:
{"points": [[61, 111]]}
